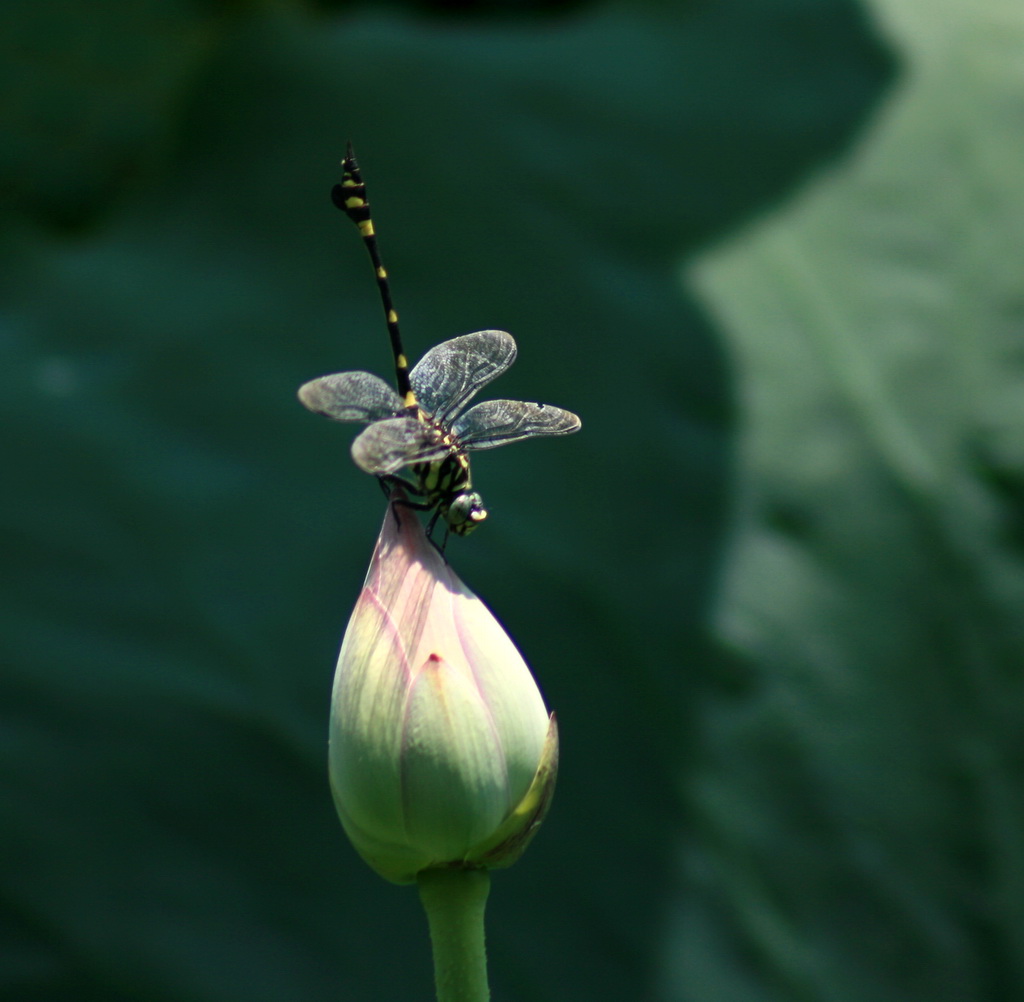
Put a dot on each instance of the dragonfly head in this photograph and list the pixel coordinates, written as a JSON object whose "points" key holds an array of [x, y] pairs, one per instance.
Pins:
{"points": [[464, 512]]}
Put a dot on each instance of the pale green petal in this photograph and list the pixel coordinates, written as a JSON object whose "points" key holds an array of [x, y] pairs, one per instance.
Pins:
{"points": [[367, 710], [508, 687], [453, 768], [398, 862], [508, 842]]}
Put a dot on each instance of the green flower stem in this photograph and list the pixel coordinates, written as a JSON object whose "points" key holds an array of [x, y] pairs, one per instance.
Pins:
{"points": [[454, 901]]}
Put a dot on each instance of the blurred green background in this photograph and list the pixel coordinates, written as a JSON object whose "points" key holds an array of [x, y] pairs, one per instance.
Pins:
{"points": [[769, 250]]}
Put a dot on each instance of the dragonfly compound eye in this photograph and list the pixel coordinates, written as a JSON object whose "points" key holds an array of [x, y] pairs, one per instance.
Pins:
{"points": [[465, 513]]}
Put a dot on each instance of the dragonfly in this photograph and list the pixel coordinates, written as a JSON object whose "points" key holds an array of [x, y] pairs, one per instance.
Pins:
{"points": [[423, 426]]}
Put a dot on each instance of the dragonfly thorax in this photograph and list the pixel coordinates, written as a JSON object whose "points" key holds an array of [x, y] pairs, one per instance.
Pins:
{"points": [[446, 483]]}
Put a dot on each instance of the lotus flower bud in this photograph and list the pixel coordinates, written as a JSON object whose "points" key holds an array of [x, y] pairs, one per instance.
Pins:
{"points": [[441, 751]]}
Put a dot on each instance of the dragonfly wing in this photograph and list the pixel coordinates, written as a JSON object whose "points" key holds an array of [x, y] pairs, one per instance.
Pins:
{"points": [[351, 396], [387, 446], [498, 422], [448, 376]]}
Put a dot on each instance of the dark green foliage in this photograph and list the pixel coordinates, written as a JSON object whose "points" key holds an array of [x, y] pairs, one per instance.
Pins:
{"points": [[773, 589]]}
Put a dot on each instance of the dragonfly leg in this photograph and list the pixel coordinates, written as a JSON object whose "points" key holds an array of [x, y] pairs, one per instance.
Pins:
{"points": [[440, 547], [392, 480]]}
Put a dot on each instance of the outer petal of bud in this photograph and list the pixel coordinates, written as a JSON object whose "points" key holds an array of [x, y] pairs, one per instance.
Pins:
{"points": [[441, 751]]}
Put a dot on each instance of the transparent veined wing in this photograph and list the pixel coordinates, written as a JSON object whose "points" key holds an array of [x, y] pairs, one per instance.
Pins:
{"points": [[498, 422], [387, 446], [351, 396], [448, 376]]}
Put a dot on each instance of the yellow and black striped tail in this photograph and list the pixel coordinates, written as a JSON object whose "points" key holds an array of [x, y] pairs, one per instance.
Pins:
{"points": [[350, 197]]}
